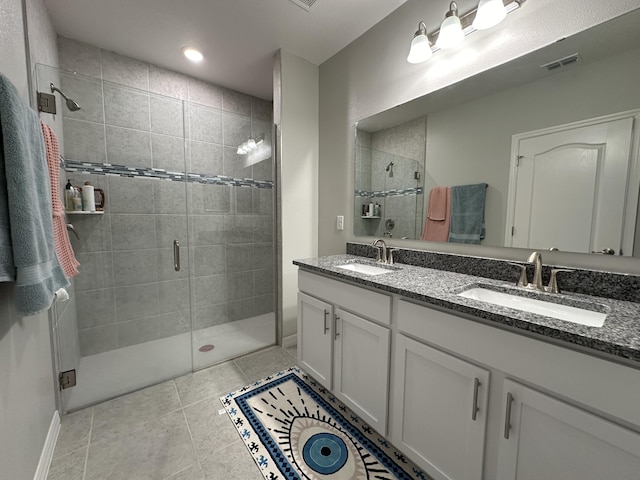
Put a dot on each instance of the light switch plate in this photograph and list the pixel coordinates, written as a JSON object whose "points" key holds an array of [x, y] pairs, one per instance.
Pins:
{"points": [[340, 222]]}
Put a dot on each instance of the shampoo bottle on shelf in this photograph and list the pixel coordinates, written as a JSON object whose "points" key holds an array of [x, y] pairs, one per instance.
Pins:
{"points": [[88, 198], [68, 196], [76, 200]]}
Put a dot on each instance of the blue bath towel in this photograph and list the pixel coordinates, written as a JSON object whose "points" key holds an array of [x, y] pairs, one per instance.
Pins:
{"points": [[27, 254], [467, 213]]}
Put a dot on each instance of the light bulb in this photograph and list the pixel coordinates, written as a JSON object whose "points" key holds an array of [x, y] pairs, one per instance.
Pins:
{"points": [[451, 30], [489, 14], [251, 144], [192, 54], [420, 49]]}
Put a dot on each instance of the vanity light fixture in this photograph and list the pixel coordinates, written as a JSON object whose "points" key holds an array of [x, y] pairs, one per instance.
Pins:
{"points": [[451, 29], [192, 54], [488, 14], [250, 145]]}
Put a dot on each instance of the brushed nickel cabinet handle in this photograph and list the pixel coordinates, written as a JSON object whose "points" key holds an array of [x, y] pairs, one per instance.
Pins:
{"points": [[336, 327], [176, 255], [507, 416], [475, 409], [326, 327]]}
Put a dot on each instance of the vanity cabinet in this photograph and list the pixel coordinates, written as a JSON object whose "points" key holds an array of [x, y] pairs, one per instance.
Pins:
{"points": [[550, 412], [544, 437], [344, 343], [440, 410]]}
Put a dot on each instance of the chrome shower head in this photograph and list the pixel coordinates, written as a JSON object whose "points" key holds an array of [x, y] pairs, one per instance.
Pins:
{"points": [[71, 104]]}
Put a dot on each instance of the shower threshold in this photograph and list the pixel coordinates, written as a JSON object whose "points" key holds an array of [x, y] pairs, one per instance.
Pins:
{"points": [[116, 372]]}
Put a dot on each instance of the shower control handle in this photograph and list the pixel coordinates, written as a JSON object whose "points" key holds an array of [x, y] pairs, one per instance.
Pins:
{"points": [[176, 255]]}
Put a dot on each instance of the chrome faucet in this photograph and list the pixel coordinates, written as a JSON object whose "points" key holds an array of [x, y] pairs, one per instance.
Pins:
{"points": [[536, 259], [382, 250]]}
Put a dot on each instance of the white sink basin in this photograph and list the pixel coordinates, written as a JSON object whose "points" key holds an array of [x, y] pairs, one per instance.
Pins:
{"points": [[366, 269], [561, 312]]}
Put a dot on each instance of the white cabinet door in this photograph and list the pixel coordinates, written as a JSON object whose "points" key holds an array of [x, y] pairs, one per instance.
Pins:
{"points": [[440, 411], [315, 338], [543, 437], [361, 373]]}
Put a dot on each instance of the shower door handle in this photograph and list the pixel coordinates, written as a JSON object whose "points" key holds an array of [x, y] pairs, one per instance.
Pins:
{"points": [[176, 255]]}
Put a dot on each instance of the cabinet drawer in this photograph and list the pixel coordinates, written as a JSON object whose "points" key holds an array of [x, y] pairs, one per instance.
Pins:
{"points": [[372, 305]]}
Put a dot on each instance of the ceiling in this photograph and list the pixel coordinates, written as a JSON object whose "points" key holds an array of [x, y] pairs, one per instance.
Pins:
{"points": [[237, 37]]}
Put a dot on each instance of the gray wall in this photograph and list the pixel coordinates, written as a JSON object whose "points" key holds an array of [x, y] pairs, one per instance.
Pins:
{"points": [[27, 400], [127, 290], [296, 91], [372, 75]]}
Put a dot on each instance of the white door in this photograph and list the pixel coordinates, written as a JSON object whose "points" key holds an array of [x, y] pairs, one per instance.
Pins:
{"points": [[543, 437], [440, 411], [361, 373], [315, 338], [569, 189]]}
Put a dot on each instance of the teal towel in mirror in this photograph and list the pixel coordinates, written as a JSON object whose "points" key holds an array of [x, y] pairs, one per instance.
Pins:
{"points": [[467, 213]]}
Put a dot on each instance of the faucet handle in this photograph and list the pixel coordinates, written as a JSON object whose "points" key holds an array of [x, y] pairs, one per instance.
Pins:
{"points": [[523, 281], [390, 255], [553, 281]]}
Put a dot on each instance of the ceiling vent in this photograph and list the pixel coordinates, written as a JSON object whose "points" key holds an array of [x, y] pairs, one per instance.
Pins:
{"points": [[562, 62], [306, 4]]}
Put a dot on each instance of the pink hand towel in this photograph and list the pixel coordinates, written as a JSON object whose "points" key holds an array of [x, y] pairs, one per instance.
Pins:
{"points": [[436, 224], [64, 251]]}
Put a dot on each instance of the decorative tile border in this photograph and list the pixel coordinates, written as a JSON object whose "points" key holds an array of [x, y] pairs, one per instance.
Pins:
{"points": [[389, 193], [160, 174]]}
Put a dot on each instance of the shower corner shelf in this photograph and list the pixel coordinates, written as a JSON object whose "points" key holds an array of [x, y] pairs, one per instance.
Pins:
{"points": [[84, 213], [368, 217]]}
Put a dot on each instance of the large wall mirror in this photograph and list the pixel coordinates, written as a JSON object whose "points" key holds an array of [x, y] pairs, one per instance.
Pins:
{"points": [[541, 152]]}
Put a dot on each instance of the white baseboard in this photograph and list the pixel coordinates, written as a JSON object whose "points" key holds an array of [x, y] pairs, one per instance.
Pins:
{"points": [[290, 341], [49, 446]]}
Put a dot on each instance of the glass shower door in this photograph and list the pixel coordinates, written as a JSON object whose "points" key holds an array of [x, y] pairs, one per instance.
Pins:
{"points": [[231, 198], [129, 316]]}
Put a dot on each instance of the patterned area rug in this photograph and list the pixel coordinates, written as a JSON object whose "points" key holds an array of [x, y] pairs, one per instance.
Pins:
{"points": [[296, 429]]}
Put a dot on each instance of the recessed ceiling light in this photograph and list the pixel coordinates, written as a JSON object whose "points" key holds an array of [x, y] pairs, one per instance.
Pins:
{"points": [[192, 54]]}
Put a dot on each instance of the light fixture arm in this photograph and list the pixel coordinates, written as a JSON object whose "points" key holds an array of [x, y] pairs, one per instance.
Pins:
{"points": [[453, 10], [422, 29]]}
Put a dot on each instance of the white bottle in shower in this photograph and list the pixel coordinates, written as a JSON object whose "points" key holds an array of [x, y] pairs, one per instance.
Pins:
{"points": [[88, 198]]}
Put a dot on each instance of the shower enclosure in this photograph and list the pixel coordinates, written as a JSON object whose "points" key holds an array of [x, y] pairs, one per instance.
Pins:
{"points": [[395, 184], [178, 270], [389, 171]]}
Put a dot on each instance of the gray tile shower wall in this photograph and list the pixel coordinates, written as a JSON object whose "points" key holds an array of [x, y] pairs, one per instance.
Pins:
{"points": [[385, 173], [618, 286], [140, 127]]}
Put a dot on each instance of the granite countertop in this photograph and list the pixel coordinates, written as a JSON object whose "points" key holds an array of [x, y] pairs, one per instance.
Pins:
{"points": [[618, 339]]}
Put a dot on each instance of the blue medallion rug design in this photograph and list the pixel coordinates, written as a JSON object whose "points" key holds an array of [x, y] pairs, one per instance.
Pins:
{"points": [[296, 429]]}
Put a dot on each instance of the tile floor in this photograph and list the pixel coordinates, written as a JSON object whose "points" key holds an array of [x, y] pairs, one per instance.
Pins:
{"points": [[168, 431]]}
